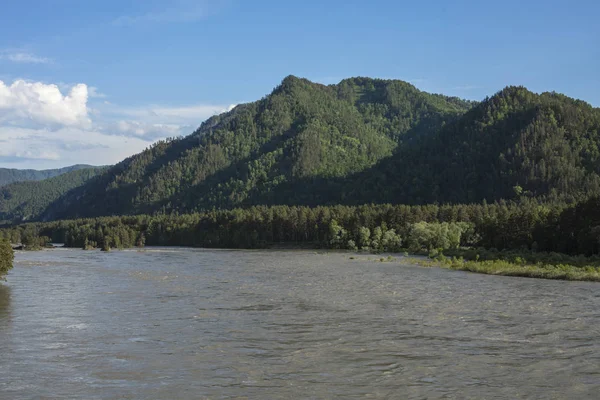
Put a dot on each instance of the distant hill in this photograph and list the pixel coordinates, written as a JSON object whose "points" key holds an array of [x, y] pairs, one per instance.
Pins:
{"points": [[24, 201], [360, 141], [8, 175]]}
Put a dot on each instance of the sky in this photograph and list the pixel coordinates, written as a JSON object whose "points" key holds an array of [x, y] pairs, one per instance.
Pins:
{"points": [[97, 81]]}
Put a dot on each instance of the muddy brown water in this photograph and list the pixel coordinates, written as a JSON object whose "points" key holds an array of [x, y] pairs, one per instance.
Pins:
{"points": [[219, 324]]}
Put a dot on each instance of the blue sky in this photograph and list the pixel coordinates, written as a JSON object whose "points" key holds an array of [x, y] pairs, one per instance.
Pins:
{"points": [[96, 81]]}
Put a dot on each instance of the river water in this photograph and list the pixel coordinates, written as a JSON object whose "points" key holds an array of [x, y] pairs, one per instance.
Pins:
{"points": [[220, 324]]}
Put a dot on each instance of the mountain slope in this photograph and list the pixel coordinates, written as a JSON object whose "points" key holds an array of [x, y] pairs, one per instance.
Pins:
{"points": [[8, 175], [360, 141], [22, 201], [302, 130], [516, 143]]}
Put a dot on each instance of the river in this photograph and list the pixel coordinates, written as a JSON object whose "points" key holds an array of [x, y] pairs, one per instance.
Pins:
{"points": [[219, 324]]}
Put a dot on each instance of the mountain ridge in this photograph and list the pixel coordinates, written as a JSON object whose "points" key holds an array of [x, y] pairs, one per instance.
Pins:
{"points": [[24, 201], [10, 175], [300, 129], [359, 141]]}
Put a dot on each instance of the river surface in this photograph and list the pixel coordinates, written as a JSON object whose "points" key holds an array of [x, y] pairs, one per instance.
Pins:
{"points": [[219, 324]]}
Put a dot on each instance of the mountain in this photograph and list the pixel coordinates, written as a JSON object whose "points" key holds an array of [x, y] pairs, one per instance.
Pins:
{"points": [[512, 145], [23, 201], [360, 141], [300, 131], [8, 175]]}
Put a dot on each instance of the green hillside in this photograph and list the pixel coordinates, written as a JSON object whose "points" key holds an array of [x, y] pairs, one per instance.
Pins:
{"points": [[360, 141], [300, 131], [22, 201], [514, 144], [9, 175]]}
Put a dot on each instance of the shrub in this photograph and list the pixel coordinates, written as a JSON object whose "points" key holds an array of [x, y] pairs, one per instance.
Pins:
{"points": [[6, 257]]}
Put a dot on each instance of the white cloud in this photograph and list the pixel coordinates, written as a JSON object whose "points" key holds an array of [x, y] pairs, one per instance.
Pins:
{"points": [[52, 125], [23, 57], [40, 104]]}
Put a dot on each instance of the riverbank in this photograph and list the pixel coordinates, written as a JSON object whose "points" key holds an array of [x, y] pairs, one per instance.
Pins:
{"points": [[508, 268], [502, 267], [533, 240], [525, 264]]}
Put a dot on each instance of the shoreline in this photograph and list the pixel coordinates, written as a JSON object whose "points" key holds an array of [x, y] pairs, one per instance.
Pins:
{"points": [[505, 268], [496, 266]]}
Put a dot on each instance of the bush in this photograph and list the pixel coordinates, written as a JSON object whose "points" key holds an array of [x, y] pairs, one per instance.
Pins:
{"points": [[435, 235], [337, 235], [6, 257]]}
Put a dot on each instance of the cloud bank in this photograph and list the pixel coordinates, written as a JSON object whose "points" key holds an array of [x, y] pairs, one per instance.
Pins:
{"points": [[48, 125]]}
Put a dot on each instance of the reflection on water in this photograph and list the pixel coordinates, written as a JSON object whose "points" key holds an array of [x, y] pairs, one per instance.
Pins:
{"points": [[187, 324]]}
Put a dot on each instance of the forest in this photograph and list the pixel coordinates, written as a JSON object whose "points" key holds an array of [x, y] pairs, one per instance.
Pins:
{"points": [[529, 231]]}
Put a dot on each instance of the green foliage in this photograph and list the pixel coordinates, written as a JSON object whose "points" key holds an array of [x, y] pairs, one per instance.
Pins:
{"points": [[511, 268], [516, 144], [89, 244], [6, 257], [337, 235], [8, 176], [376, 239], [434, 235], [31, 238], [364, 238], [24, 201], [391, 241], [560, 228]]}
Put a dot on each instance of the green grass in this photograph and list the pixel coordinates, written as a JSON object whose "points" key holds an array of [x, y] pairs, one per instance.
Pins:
{"points": [[510, 268]]}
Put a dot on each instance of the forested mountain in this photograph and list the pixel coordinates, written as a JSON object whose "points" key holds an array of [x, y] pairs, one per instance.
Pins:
{"points": [[22, 201], [511, 145], [515, 144], [360, 141], [9, 175], [300, 131]]}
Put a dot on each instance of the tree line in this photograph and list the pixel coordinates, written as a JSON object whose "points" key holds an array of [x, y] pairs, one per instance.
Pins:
{"points": [[527, 225]]}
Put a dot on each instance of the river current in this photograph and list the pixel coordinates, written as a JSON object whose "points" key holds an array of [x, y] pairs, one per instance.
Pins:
{"points": [[173, 323]]}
